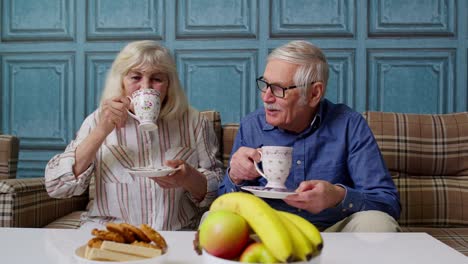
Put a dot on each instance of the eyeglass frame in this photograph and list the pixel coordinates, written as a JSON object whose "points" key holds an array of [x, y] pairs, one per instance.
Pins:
{"points": [[268, 85]]}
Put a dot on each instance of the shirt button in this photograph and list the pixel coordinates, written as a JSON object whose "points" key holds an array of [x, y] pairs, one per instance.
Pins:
{"points": [[344, 210], [350, 205], [299, 162]]}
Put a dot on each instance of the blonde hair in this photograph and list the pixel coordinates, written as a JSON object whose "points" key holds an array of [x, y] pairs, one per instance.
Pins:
{"points": [[313, 66], [147, 54]]}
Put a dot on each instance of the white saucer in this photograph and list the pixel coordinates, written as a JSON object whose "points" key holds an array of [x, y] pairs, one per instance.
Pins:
{"points": [[266, 192], [151, 172]]}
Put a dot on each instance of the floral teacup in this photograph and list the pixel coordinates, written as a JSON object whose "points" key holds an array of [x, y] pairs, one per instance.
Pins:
{"points": [[147, 104]]}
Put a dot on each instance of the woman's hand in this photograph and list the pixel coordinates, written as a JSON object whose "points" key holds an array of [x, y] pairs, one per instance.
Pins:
{"points": [[113, 114], [186, 177], [175, 179]]}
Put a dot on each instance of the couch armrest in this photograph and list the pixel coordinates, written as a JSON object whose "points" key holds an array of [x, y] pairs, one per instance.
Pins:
{"points": [[25, 203], [9, 147]]}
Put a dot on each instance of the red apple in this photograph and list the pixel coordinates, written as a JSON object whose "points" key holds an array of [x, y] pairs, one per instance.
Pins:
{"points": [[257, 253], [224, 234]]}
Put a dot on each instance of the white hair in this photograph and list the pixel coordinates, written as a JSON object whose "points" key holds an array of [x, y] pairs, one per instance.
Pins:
{"points": [[147, 54], [313, 66]]}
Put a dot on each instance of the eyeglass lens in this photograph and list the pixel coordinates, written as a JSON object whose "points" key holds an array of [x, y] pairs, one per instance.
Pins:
{"points": [[276, 90]]}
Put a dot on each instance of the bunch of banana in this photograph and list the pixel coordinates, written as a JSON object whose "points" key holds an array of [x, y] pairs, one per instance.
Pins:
{"points": [[287, 236]]}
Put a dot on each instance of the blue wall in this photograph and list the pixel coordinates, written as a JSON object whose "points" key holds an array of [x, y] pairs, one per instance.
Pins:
{"points": [[388, 55]]}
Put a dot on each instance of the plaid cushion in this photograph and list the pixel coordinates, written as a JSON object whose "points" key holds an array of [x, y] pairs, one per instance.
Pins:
{"points": [[422, 144], [456, 238], [25, 203], [229, 135], [215, 118], [9, 147], [427, 156]]}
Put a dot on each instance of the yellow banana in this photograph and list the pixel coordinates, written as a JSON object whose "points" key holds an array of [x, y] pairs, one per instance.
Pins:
{"points": [[302, 247], [309, 229], [262, 219]]}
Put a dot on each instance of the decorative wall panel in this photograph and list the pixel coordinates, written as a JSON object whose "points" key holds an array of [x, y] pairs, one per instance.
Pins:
{"points": [[37, 99], [319, 18], [39, 20], [388, 55], [397, 78], [412, 18], [219, 80], [33, 162], [340, 86], [97, 65], [207, 18], [125, 19]]}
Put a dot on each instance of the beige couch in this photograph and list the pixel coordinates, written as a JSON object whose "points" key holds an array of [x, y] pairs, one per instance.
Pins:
{"points": [[427, 156]]}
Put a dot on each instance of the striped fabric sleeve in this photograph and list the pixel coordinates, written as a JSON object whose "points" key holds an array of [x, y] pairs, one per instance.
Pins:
{"points": [[209, 165], [60, 181]]}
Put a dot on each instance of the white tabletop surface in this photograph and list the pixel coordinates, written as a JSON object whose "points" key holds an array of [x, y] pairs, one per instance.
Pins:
{"points": [[41, 246]]}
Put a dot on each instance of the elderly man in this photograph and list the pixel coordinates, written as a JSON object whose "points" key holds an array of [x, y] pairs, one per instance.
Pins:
{"points": [[339, 179]]}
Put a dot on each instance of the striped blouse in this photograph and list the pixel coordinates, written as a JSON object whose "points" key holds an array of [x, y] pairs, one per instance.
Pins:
{"points": [[121, 197]]}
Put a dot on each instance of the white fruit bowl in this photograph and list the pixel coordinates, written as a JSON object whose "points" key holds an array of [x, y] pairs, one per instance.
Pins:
{"points": [[210, 259]]}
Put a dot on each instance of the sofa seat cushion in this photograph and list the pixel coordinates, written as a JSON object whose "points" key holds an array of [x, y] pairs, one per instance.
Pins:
{"points": [[25, 203], [456, 238], [432, 200], [69, 221]]}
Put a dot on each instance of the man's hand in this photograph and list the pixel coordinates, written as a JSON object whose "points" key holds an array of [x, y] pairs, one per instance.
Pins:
{"points": [[113, 114], [242, 167], [316, 196]]}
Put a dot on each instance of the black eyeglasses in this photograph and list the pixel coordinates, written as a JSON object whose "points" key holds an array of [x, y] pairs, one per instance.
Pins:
{"points": [[276, 90]]}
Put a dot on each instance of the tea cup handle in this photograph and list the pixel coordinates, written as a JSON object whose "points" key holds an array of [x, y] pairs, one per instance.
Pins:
{"points": [[128, 111], [257, 168]]}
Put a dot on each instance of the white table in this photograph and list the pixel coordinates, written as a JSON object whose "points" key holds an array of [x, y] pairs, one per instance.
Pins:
{"points": [[48, 246]]}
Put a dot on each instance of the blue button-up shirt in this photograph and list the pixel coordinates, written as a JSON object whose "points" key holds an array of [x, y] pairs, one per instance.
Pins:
{"points": [[338, 147]]}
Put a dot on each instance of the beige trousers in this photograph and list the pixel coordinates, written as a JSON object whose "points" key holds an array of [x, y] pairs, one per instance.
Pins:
{"points": [[366, 221]]}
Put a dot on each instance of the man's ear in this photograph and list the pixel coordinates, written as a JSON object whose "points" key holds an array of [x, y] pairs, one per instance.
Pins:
{"points": [[315, 94]]}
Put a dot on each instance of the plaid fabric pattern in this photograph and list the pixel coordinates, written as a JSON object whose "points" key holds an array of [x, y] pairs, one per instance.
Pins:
{"points": [[215, 118], [229, 135], [427, 156], [9, 147], [25, 203], [457, 238]]}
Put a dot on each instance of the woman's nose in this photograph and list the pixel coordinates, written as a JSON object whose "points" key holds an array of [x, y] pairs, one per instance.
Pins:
{"points": [[145, 82]]}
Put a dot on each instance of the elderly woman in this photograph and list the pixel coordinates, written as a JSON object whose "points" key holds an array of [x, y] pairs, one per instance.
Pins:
{"points": [[110, 142]]}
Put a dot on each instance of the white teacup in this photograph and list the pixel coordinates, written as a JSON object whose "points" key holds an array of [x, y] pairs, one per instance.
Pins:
{"points": [[276, 162], [146, 104]]}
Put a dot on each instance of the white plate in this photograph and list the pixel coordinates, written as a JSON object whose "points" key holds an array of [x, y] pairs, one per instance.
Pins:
{"points": [[80, 252], [151, 172], [272, 193]]}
